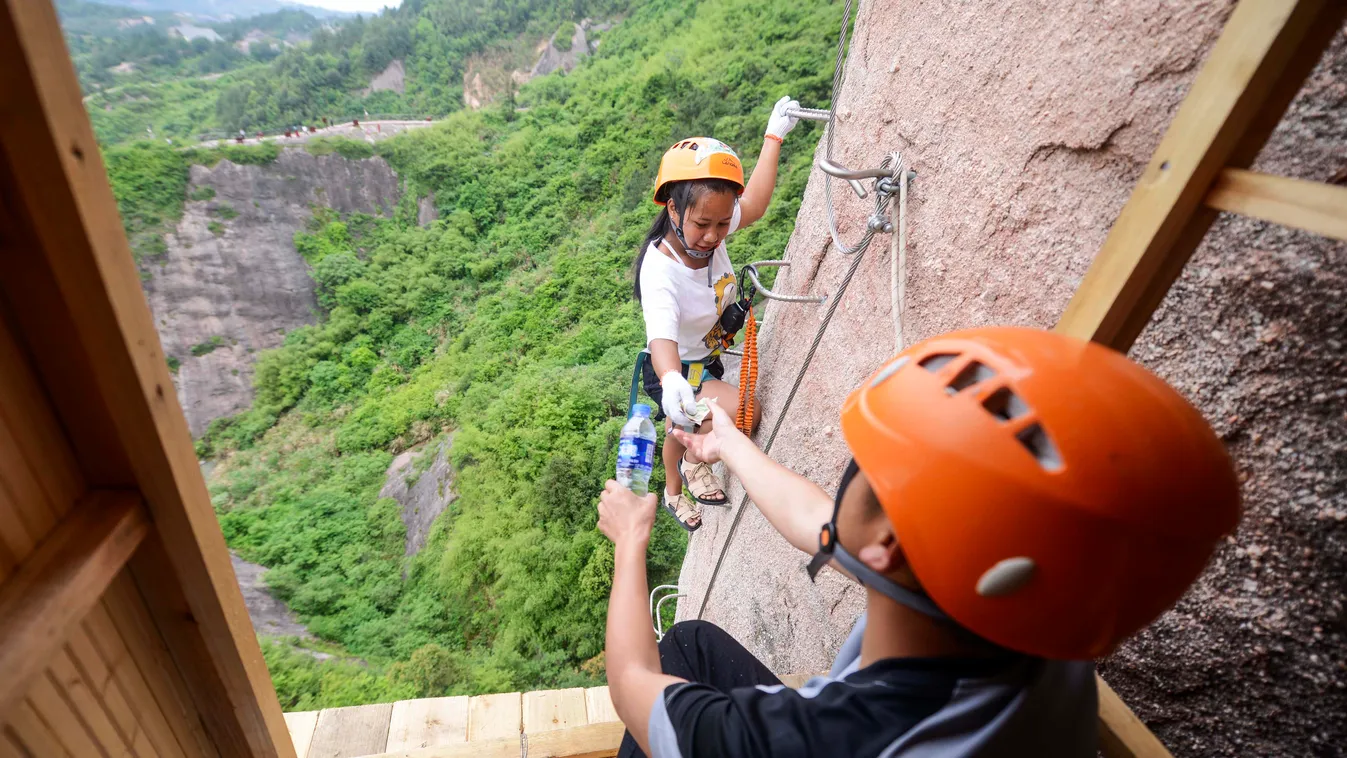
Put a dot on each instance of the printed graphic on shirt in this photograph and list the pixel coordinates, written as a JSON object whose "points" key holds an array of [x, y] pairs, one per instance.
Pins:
{"points": [[725, 291]]}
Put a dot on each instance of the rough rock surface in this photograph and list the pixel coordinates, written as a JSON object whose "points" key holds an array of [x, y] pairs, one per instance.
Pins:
{"points": [[269, 615], [393, 77], [491, 73], [1028, 138], [424, 488], [246, 285]]}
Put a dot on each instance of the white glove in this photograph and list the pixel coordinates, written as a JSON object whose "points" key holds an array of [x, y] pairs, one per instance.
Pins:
{"points": [[677, 395], [779, 125]]}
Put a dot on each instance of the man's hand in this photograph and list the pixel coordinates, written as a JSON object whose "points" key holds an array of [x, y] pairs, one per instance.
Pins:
{"points": [[707, 447], [625, 518]]}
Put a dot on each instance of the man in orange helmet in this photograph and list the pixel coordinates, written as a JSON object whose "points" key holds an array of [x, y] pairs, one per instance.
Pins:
{"points": [[1019, 503]]}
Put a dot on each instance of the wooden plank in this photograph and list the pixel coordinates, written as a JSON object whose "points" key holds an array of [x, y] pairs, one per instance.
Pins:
{"points": [[1260, 60], [28, 729], [427, 723], [586, 741], [76, 299], [60, 583], [302, 725], [350, 732], [147, 672], [60, 717], [492, 717], [1121, 733], [85, 701], [1311, 206], [545, 710], [599, 706]]}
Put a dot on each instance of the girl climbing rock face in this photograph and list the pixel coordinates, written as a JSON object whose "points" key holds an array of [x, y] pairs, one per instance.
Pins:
{"points": [[684, 281]]}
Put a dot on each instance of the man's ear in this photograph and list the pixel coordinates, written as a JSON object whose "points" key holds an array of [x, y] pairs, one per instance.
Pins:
{"points": [[882, 552]]}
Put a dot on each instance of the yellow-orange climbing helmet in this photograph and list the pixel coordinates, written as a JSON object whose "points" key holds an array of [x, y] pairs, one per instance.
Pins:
{"points": [[698, 158], [1049, 494]]}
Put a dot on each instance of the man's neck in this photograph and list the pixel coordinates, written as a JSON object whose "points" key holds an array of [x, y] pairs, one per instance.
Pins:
{"points": [[893, 630]]}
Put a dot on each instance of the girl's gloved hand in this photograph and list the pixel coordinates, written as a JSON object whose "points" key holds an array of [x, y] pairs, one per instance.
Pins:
{"points": [[779, 125], [677, 395]]}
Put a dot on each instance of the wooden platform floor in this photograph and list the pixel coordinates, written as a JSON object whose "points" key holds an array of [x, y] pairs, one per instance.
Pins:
{"points": [[408, 726]]}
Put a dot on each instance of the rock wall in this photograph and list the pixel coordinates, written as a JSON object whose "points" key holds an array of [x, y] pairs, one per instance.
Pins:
{"points": [[422, 481], [232, 285], [1029, 125]]}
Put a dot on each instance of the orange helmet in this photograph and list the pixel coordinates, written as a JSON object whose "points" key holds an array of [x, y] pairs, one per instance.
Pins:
{"points": [[1050, 495], [698, 158]]}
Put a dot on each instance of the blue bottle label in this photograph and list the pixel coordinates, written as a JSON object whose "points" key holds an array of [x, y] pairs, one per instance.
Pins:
{"points": [[636, 452]]}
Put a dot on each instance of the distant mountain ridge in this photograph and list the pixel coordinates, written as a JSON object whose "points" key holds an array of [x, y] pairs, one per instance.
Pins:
{"points": [[226, 9]]}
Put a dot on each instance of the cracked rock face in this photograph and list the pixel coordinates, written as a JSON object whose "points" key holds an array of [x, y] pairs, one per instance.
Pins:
{"points": [[1028, 137], [422, 481], [232, 283]]}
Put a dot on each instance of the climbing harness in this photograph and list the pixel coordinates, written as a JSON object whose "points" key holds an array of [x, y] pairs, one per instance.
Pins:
{"points": [[696, 372]]}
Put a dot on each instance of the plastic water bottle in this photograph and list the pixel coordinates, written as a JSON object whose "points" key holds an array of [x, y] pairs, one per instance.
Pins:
{"points": [[636, 451]]}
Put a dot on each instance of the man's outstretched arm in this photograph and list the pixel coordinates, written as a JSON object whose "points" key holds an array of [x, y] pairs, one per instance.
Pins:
{"points": [[631, 653], [795, 506]]}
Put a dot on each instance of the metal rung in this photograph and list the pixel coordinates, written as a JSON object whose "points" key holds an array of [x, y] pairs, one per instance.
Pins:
{"points": [[655, 606], [752, 270], [809, 114]]}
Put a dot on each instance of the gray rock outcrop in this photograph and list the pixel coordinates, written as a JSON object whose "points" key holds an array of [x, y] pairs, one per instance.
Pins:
{"points": [[423, 489], [1028, 138], [232, 283]]}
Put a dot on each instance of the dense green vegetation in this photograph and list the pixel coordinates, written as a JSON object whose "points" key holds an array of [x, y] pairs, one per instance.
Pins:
{"points": [[433, 38], [508, 322]]}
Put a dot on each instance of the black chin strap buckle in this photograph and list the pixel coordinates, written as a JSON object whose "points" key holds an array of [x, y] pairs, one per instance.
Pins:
{"points": [[827, 542]]}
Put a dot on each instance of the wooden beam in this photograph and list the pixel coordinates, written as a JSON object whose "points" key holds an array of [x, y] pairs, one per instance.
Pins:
{"points": [[73, 290], [1267, 49], [59, 584], [1310, 206], [587, 741], [1121, 733]]}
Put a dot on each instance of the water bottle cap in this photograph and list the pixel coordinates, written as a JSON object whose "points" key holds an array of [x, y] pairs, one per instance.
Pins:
{"points": [[640, 409]]}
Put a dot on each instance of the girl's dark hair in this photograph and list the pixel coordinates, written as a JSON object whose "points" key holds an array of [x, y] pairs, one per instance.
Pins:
{"points": [[682, 196]]}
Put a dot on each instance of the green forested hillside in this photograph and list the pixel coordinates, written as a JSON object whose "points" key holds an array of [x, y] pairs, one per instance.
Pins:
{"points": [[510, 322]]}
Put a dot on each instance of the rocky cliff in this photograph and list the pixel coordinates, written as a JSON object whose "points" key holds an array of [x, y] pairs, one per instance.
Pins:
{"points": [[232, 283], [1028, 137]]}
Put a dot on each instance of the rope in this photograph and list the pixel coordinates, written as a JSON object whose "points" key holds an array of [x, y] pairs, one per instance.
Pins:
{"points": [[838, 71], [748, 375], [898, 255]]}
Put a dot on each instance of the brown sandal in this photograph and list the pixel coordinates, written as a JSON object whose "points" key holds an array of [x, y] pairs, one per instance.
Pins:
{"points": [[683, 509], [701, 481]]}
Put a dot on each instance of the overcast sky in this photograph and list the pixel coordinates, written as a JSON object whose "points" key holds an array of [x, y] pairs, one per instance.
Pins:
{"points": [[362, 6]]}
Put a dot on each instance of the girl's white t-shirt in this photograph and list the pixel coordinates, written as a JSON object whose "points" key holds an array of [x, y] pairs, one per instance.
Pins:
{"points": [[684, 304]]}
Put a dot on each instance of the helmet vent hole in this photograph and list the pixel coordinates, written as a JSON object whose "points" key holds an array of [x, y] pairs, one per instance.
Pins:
{"points": [[1005, 405], [934, 363], [972, 374], [1039, 445]]}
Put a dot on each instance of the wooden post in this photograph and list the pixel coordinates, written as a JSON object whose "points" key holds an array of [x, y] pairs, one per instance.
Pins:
{"points": [[73, 294], [1267, 49]]}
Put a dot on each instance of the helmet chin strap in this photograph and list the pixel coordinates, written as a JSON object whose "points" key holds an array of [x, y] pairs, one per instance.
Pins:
{"points": [[678, 232], [829, 549]]}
